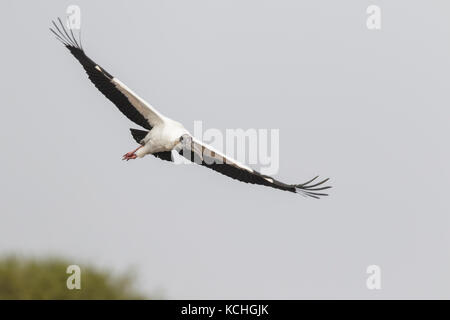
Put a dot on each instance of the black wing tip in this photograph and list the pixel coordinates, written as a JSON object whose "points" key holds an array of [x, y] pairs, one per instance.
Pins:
{"points": [[310, 190], [68, 39]]}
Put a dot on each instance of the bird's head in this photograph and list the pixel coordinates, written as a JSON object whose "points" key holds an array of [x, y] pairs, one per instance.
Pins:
{"points": [[183, 142], [185, 139]]}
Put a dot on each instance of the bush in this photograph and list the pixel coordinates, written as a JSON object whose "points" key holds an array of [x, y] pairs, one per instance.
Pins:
{"points": [[22, 278]]}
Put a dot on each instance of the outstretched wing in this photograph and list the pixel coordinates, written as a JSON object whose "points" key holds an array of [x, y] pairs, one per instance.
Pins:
{"points": [[206, 156], [129, 103]]}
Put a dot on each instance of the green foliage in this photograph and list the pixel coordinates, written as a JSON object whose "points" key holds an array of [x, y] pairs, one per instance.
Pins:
{"points": [[46, 279]]}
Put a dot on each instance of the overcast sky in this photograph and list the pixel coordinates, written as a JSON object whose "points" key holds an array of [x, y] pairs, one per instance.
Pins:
{"points": [[367, 108]]}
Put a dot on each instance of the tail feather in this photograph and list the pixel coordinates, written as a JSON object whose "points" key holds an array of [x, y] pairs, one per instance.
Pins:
{"points": [[138, 135]]}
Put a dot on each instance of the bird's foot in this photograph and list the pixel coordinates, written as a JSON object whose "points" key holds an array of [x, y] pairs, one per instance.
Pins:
{"points": [[129, 156]]}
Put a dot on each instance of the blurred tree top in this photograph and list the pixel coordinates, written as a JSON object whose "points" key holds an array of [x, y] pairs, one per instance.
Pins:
{"points": [[22, 278]]}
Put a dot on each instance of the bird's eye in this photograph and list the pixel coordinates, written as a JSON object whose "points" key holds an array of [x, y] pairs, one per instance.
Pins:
{"points": [[181, 139]]}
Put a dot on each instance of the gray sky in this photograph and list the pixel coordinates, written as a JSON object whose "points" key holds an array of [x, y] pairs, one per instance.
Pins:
{"points": [[370, 109]]}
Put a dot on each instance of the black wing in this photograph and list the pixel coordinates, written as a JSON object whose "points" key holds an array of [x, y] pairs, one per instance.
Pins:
{"points": [[102, 79], [201, 154]]}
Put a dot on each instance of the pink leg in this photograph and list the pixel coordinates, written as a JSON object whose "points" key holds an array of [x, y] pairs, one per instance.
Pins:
{"points": [[131, 155]]}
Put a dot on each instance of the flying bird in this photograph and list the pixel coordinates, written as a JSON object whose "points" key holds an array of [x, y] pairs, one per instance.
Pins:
{"points": [[162, 135]]}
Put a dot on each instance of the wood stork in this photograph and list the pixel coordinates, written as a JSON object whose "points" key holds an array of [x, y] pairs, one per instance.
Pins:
{"points": [[162, 135]]}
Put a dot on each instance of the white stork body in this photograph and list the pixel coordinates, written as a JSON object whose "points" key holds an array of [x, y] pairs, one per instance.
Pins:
{"points": [[163, 135]]}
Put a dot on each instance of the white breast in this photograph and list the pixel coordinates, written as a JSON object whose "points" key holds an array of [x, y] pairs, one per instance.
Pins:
{"points": [[163, 137]]}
